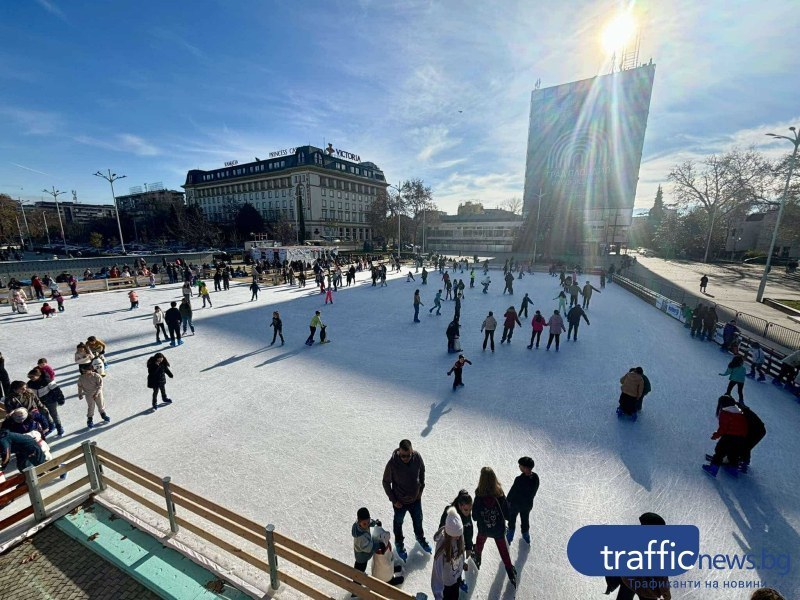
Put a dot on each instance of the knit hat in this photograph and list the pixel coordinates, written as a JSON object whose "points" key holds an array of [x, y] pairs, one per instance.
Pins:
{"points": [[649, 518], [363, 514], [19, 414], [453, 525]]}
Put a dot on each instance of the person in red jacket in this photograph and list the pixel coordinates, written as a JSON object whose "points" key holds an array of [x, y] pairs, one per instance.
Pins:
{"points": [[731, 433], [538, 324]]}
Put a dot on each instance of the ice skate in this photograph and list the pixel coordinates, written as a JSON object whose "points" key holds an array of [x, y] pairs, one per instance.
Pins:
{"points": [[423, 543], [400, 550], [712, 470]]}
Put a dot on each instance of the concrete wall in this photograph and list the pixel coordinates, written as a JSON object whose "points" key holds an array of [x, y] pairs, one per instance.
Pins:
{"points": [[76, 266]]}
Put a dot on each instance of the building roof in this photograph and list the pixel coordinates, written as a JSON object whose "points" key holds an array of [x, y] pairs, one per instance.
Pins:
{"points": [[488, 215], [300, 157]]}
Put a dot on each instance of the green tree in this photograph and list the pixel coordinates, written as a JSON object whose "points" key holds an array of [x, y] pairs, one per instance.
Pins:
{"points": [[657, 212], [248, 220], [96, 240]]}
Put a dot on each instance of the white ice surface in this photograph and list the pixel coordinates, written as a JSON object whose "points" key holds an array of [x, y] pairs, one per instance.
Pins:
{"points": [[299, 436]]}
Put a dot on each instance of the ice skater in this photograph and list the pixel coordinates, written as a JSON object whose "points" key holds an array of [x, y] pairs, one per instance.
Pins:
{"points": [[490, 512], [90, 385], [520, 499], [173, 320], [458, 368], [587, 294], [510, 320], [631, 389], [157, 373], [277, 327], [736, 374], [134, 299], [403, 483], [449, 561], [537, 325], [364, 546], [437, 303], [562, 301], [574, 319], [732, 436], [417, 304], [757, 360], [523, 309], [186, 315], [203, 292], [254, 289], [158, 323], [329, 295], [488, 328], [316, 321], [556, 325]]}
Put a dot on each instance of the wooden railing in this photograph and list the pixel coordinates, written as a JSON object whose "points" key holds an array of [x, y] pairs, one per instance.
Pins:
{"points": [[181, 508]]}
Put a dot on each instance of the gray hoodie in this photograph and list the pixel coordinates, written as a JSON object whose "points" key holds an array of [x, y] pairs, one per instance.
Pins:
{"points": [[363, 545]]}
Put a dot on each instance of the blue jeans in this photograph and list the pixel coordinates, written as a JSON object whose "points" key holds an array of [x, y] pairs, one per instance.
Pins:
{"points": [[186, 322], [415, 508], [416, 312]]}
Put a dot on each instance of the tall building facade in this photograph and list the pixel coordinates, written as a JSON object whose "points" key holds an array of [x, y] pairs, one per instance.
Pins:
{"points": [[140, 205], [74, 212], [334, 188], [584, 151]]}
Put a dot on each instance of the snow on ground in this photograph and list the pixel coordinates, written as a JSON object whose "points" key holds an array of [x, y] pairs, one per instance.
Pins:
{"points": [[299, 436]]}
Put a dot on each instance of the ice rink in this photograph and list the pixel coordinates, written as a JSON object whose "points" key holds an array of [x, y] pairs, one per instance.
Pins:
{"points": [[299, 436]]}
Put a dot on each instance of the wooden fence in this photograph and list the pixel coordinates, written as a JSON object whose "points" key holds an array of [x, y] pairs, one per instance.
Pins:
{"points": [[181, 509]]}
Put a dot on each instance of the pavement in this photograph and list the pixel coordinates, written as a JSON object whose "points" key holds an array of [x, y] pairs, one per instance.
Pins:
{"points": [[734, 285], [52, 565]]}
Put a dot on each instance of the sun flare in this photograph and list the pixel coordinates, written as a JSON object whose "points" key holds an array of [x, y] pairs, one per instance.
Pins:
{"points": [[617, 33]]}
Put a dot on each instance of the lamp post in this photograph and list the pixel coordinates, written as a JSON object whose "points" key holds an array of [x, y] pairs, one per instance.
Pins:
{"points": [[46, 228], [794, 138], [55, 194], [111, 178]]}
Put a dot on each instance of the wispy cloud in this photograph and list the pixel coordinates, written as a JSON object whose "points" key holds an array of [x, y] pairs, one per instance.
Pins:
{"points": [[177, 40], [29, 169], [122, 142], [33, 122], [52, 8]]}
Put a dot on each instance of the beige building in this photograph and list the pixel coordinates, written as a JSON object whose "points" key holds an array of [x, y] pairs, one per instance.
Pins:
{"points": [[754, 233], [335, 189]]}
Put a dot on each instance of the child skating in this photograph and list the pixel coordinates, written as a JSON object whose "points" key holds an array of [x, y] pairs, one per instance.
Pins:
{"points": [[520, 499], [457, 368]]}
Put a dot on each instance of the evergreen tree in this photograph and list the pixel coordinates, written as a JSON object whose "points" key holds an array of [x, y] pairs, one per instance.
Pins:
{"points": [[656, 213]]}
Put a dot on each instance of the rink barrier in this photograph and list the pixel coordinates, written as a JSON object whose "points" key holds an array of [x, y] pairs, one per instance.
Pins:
{"points": [[772, 365], [773, 333], [176, 504]]}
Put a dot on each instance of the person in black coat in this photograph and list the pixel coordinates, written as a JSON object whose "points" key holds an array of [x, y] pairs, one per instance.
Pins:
{"points": [[157, 373], [490, 512], [277, 326], [756, 430], [173, 320], [520, 499], [452, 333], [574, 319], [463, 506]]}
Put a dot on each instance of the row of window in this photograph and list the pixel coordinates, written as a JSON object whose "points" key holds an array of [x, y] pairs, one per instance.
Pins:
{"points": [[347, 186], [286, 182], [265, 167]]}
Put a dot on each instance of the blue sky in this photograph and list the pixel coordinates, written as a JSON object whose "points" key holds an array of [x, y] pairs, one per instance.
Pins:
{"points": [[152, 89]]}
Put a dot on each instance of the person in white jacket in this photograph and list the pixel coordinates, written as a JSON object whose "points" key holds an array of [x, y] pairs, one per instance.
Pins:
{"points": [[449, 558], [158, 323]]}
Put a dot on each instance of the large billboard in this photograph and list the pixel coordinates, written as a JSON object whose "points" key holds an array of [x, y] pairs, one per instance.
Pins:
{"points": [[584, 149]]}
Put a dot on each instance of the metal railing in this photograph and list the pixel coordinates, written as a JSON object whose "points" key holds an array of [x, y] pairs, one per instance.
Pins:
{"points": [[769, 331]]}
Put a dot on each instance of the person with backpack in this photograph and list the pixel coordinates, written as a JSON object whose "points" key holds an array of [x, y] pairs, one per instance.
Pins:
{"points": [[490, 511]]}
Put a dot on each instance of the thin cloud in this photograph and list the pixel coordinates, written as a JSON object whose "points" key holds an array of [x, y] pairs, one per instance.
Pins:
{"points": [[29, 169], [33, 122], [52, 9], [123, 142]]}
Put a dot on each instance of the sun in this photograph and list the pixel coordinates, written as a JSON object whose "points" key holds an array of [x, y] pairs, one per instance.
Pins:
{"points": [[617, 33]]}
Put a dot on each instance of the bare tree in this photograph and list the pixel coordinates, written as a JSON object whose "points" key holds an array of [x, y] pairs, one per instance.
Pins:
{"points": [[513, 205], [720, 184], [416, 199]]}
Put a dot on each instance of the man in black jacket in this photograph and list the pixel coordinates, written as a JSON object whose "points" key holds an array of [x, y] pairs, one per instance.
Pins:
{"points": [[173, 320], [403, 482], [520, 499], [574, 319]]}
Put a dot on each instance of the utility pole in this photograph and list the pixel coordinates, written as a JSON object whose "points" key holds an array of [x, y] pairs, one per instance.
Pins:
{"points": [[111, 178], [46, 228], [794, 139], [55, 194]]}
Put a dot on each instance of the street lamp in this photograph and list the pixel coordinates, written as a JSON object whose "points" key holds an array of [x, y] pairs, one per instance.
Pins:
{"points": [[55, 194], [111, 178], [794, 138]]}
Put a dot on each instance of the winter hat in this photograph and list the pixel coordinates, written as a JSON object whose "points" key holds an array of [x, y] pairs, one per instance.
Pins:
{"points": [[363, 514], [453, 525], [649, 518], [19, 414]]}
